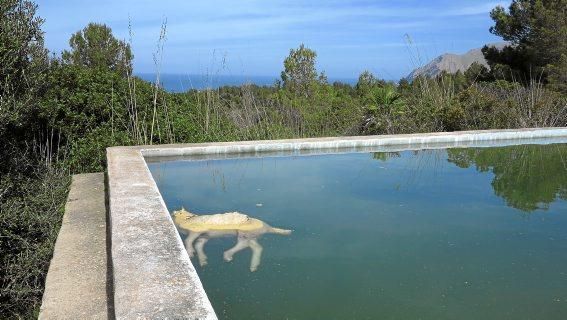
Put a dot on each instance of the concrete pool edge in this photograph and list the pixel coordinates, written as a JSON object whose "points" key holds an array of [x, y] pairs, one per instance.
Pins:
{"points": [[153, 276], [346, 144]]}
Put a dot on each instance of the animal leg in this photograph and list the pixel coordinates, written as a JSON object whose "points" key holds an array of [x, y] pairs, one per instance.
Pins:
{"points": [[189, 243], [240, 245], [199, 247], [256, 254]]}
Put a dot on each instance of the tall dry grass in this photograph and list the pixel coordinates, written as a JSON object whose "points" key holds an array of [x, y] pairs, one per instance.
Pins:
{"points": [[149, 121]]}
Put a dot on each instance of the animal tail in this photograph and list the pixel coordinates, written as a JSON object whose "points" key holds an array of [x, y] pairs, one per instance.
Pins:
{"points": [[281, 231]]}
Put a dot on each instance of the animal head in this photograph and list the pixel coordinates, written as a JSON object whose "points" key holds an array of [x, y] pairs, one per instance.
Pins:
{"points": [[182, 214]]}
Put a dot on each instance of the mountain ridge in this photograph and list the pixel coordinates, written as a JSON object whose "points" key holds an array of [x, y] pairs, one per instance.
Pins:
{"points": [[452, 62]]}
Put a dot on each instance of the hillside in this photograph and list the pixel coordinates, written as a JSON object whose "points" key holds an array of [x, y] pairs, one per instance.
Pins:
{"points": [[452, 62]]}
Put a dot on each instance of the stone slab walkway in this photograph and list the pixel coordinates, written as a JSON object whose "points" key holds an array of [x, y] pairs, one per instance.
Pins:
{"points": [[76, 285]]}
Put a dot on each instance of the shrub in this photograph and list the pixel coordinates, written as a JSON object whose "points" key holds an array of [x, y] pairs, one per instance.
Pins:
{"points": [[30, 217]]}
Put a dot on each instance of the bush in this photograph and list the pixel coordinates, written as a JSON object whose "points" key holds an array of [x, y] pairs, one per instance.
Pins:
{"points": [[503, 104], [22, 78], [88, 153], [31, 209]]}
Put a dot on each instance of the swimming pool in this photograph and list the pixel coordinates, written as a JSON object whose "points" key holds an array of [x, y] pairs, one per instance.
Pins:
{"points": [[463, 233]]}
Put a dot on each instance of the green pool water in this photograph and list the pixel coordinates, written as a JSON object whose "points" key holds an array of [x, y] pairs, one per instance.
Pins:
{"points": [[476, 233]]}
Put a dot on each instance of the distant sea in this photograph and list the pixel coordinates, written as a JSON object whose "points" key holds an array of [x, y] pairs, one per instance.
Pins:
{"points": [[177, 82]]}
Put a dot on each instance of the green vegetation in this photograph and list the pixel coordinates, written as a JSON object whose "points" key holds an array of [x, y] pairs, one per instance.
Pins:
{"points": [[31, 212], [95, 47], [57, 115], [300, 75], [537, 30], [519, 176]]}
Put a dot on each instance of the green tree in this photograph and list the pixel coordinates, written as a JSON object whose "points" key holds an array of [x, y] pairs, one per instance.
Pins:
{"points": [[404, 85], [558, 74], [537, 30], [527, 177], [81, 99], [23, 61], [366, 81], [96, 47], [31, 195], [477, 73], [299, 70]]}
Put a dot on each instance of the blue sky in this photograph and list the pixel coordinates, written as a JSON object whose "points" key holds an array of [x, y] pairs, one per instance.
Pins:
{"points": [[252, 37]]}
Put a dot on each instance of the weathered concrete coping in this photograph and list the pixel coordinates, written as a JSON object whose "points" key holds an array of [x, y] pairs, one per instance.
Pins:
{"points": [[482, 138], [76, 285], [153, 276]]}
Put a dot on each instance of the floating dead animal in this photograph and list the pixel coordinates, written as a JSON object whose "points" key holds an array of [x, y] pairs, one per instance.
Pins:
{"points": [[201, 228]]}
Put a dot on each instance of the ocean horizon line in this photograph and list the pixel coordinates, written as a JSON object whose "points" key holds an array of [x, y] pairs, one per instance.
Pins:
{"points": [[182, 82]]}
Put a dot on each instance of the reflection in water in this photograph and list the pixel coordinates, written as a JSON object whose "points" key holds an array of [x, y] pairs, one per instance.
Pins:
{"points": [[384, 156], [408, 235], [200, 228], [528, 177]]}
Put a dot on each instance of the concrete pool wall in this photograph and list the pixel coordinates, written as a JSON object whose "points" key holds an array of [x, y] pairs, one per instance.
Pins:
{"points": [[153, 275]]}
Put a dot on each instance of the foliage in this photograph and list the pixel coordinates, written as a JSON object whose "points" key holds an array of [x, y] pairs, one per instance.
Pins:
{"points": [[81, 99], [558, 75], [383, 106], [537, 30], [299, 72], [30, 217], [430, 104], [461, 102], [367, 81], [509, 105], [23, 61], [477, 73], [95, 47], [525, 176], [88, 153]]}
